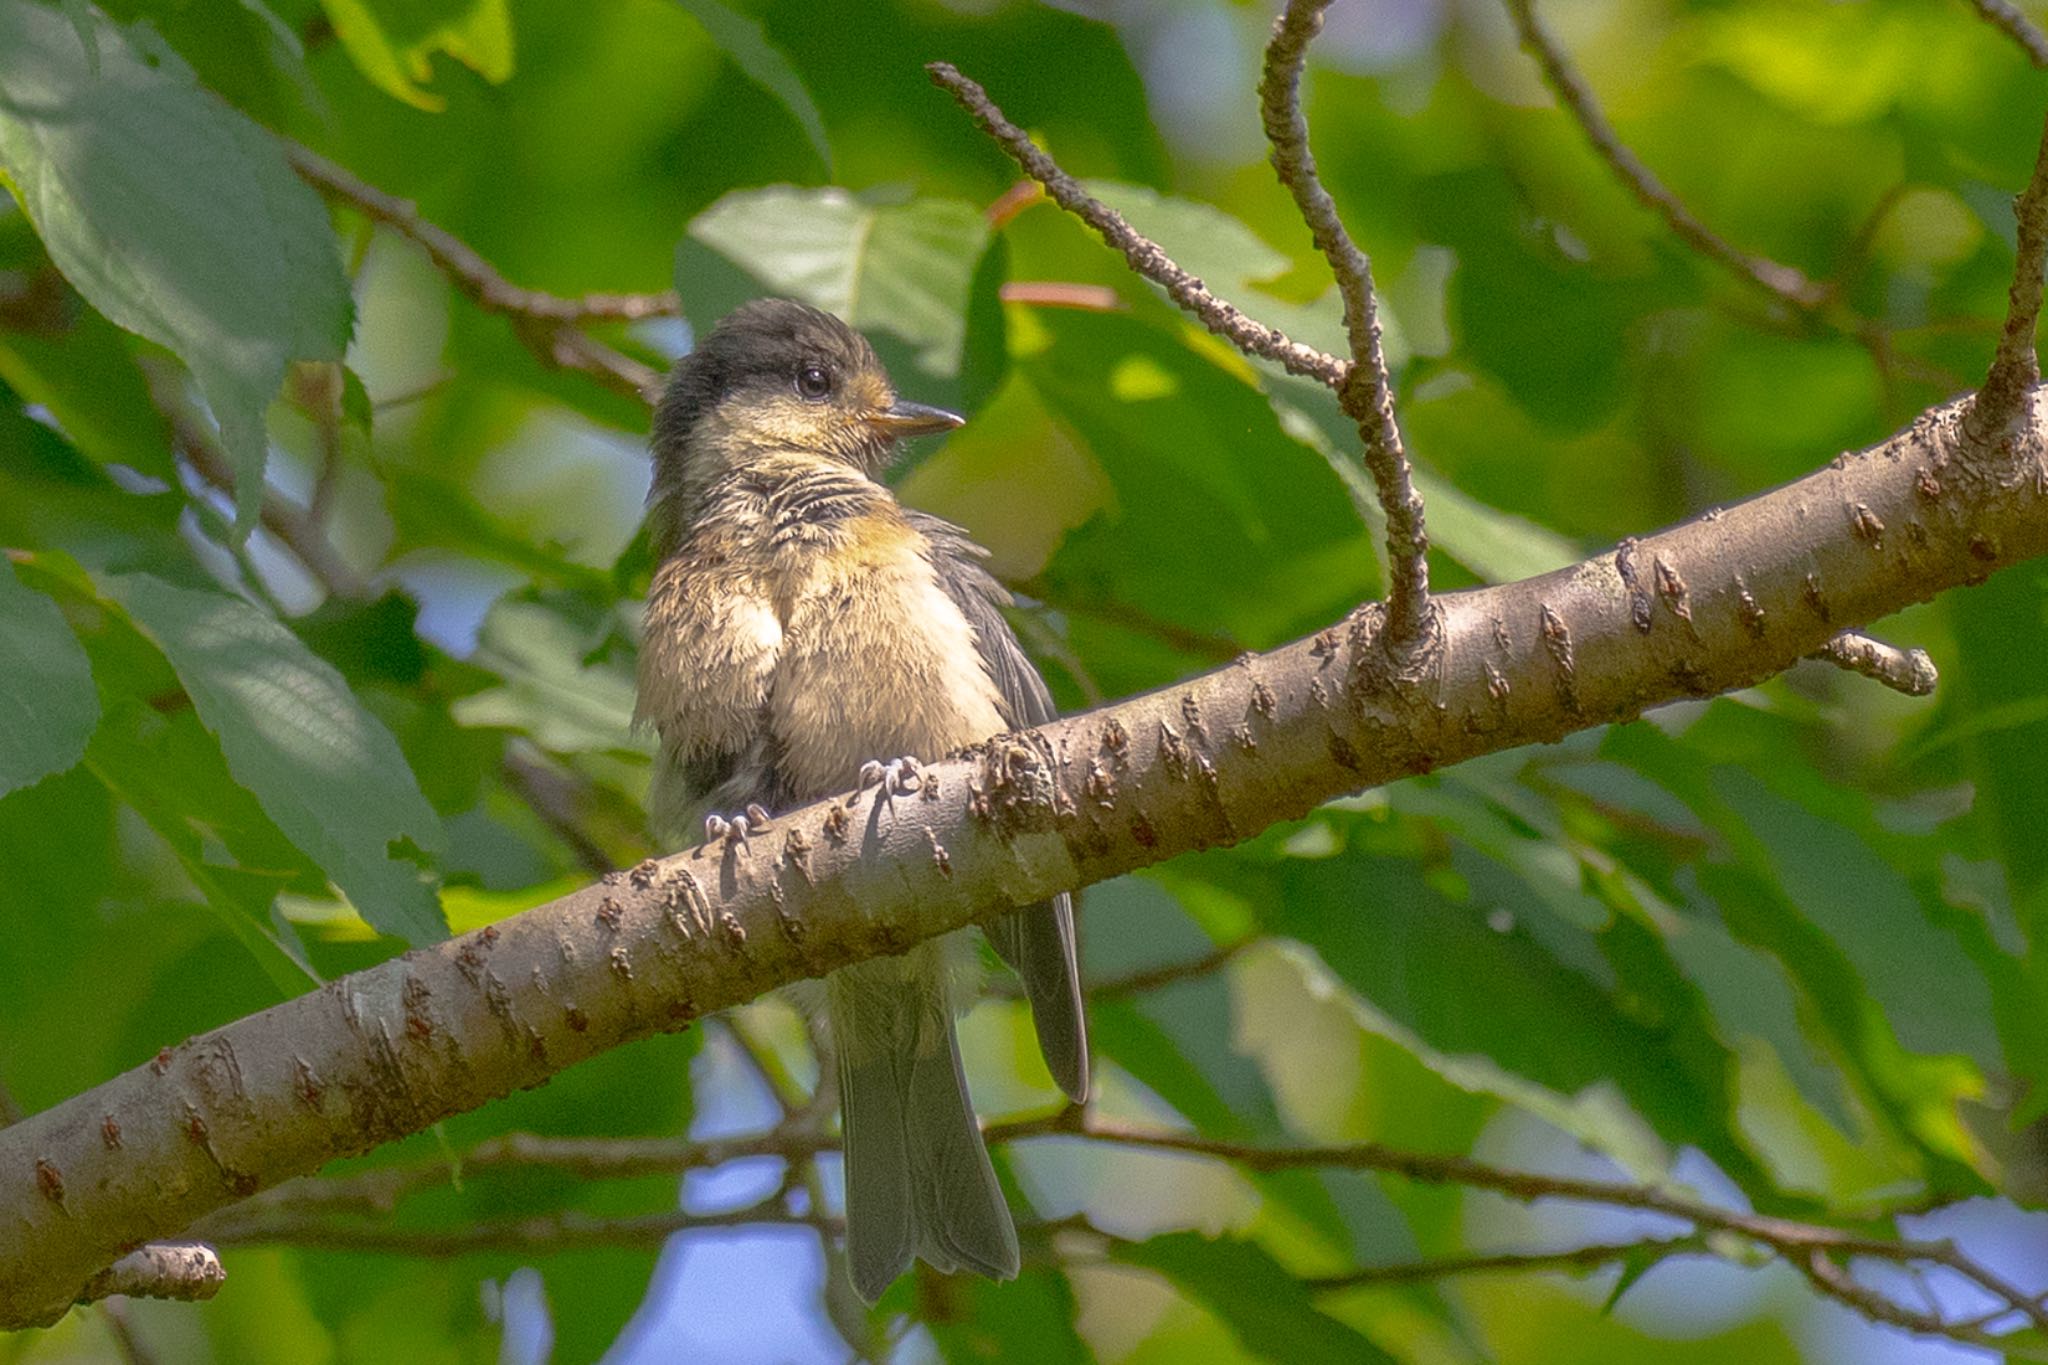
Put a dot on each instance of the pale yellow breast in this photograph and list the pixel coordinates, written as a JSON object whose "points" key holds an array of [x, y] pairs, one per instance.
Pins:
{"points": [[876, 662]]}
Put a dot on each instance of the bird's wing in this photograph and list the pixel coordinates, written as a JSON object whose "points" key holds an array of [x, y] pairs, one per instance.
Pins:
{"points": [[1037, 941]]}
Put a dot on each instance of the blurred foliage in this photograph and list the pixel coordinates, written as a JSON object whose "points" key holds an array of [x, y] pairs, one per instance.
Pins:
{"points": [[1783, 947]]}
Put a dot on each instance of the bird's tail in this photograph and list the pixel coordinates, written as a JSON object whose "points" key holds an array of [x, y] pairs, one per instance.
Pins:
{"points": [[918, 1179]]}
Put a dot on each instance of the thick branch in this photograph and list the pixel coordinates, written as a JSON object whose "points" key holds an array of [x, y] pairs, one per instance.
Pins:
{"points": [[549, 324], [1717, 603], [1367, 395]]}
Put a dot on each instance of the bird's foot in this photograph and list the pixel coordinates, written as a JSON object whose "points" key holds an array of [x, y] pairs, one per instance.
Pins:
{"points": [[897, 777], [734, 829]]}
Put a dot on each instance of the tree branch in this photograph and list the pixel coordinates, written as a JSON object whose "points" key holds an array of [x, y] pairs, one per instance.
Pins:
{"points": [[1782, 281], [1734, 597], [1141, 253], [550, 325], [2006, 17], [161, 1270], [1366, 395], [1910, 671], [1580, 1259], [2016, 368]]}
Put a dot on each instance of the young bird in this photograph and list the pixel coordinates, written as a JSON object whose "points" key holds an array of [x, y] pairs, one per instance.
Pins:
{"points": [[801, 625]]}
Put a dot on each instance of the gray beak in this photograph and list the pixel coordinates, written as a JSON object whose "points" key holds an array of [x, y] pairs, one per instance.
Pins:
{"points": [[912, 419]]}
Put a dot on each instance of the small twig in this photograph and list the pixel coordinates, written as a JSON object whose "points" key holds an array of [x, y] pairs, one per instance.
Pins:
{"points": [[552, 798], [289, 523], [1910, 671], [2016, 367], [1156, 978], [1784, 281], [1143, 254], [548, 323], [2006, 16], [550, 1232], [1366, 395], [161, 1270], [1574, 1258]]}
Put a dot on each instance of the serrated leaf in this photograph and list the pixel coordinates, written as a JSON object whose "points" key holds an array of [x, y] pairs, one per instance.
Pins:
{"points": [[394, 42], [47, 704], [173, 214], [321, 766], [1265, 1307], [905, 270], [742, 39]]}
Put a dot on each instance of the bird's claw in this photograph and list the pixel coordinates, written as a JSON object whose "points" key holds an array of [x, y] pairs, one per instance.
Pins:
{"points": [[734, 831], [897, 777]]}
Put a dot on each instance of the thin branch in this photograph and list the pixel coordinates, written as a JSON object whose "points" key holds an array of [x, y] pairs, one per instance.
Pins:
{"points": [[566, 1230], [162, 1270], [553, 798], [550, 324], [1784, 281], [2006, 17], [1580, 1259], [1910, 671], [1142, 253], [1366, 395], [293, 527], [2016, 367], [1157, 978]]}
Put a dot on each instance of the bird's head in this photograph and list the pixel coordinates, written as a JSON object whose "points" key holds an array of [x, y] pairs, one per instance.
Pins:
{"points": [[777, 378]]}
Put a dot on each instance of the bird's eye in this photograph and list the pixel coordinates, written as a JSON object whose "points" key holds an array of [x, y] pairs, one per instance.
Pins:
{"points": [[813, 382]]}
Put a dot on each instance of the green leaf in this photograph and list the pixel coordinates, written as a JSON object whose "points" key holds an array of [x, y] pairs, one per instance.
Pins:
{"points": [[393, 42], [904, 270], [1265, 1307], [47, 704], [322, 767], [173, 214], [742, 39]]}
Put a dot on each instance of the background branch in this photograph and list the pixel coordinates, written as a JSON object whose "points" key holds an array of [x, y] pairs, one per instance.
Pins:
{"points": [[549, 324]]}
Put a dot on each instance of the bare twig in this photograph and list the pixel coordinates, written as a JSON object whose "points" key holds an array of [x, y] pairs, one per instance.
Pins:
{"points": [[305, 1212], [1574, 1258], [1366, 394], [550, 1232], [1784, 281], [1155, 978], [1143, 254], [293, 526], [1910, 671], [161, 1270], [552, 798], [549, 324], [2006, 16], [2016, 367]]}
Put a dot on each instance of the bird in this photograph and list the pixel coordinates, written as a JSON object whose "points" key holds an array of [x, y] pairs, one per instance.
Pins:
{"points": [[806, 634]]}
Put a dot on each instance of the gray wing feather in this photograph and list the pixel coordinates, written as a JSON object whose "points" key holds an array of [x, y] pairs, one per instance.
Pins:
{"points": [[1036, 941]]}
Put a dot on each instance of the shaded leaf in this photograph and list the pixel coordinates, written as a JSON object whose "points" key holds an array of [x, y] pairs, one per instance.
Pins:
{"points": [[47, 705], [325, 770], [742, 39], [173, 214], [1265, 1307]]}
